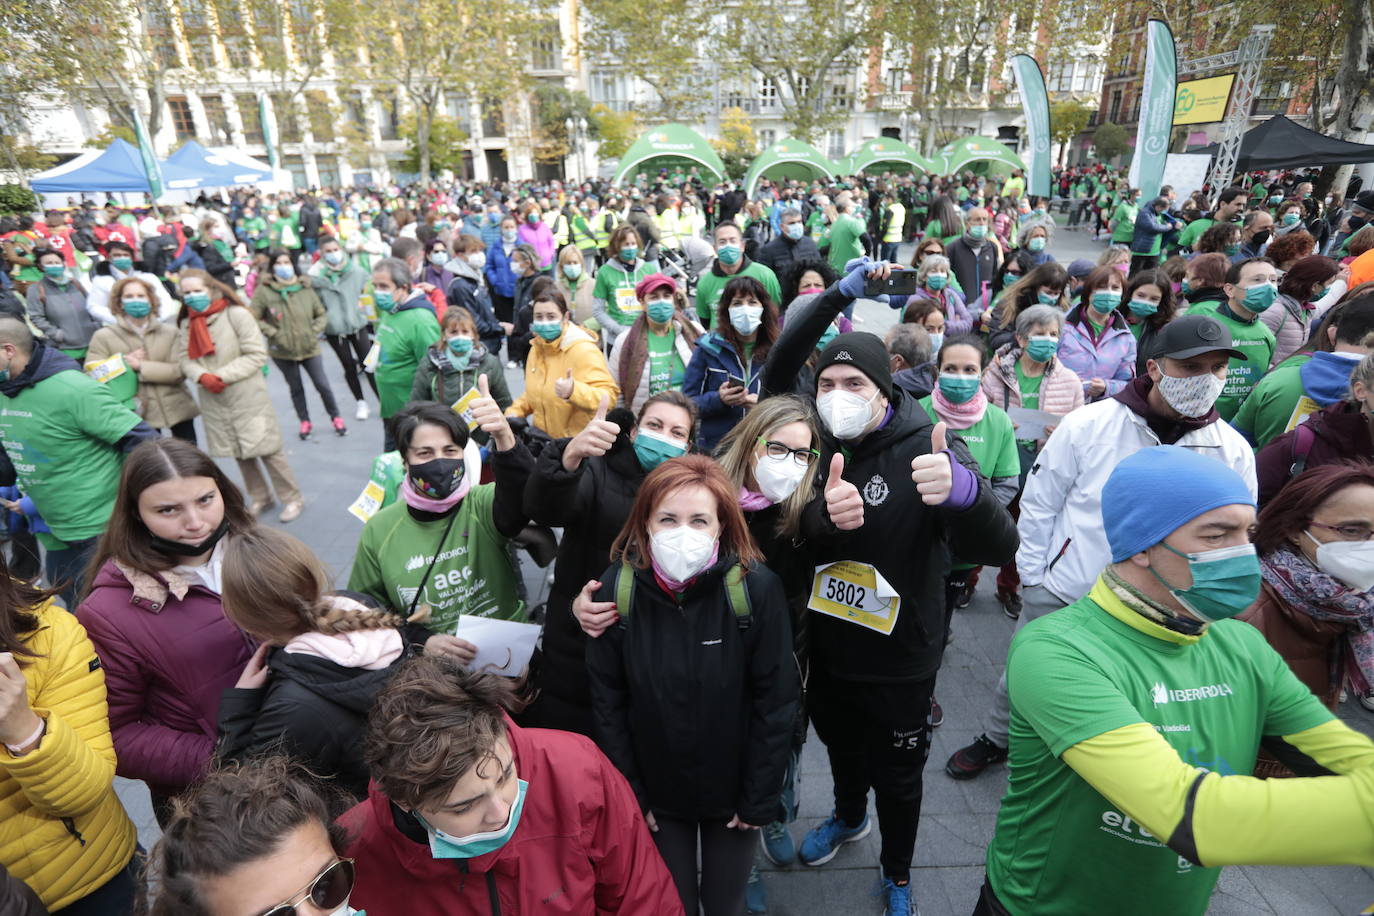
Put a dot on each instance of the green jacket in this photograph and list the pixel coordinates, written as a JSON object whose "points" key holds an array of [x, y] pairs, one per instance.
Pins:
{"points": [[291, 317], [404, 337], [340, 291], [437, 380]]}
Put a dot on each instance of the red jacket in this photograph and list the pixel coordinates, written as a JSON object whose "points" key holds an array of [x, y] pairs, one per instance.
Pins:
{"points": [[581, 847]]}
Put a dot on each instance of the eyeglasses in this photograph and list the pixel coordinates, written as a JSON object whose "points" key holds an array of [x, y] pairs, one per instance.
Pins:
{"points": [[329, 890], [802, 456], [1348, 532]]}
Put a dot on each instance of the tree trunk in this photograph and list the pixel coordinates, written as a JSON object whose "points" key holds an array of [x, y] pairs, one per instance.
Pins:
{"points": [[423, 118]]}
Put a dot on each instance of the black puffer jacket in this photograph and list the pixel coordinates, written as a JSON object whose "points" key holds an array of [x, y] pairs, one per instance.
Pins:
{"points": [[908, 542], [695, 711], [590, 505], [311, 708]]}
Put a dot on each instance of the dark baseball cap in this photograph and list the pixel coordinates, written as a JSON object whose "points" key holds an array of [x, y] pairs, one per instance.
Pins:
{"points": [[1080, 268], [1191, 335], [1365, 200]]}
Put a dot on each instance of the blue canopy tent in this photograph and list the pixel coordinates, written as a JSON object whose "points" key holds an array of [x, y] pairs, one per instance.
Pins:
{"points": [[194, 166], [118, 168]]}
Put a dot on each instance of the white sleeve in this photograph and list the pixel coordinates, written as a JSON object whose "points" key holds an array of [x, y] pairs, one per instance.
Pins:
{"points": [[98, 301], [1047, 491], [1333, 295]]}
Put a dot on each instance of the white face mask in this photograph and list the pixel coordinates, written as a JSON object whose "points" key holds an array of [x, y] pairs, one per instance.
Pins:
{"points": [[1192, 396], [477, 259], [1352, 562], [746, 318], [681, 552], [845, 413], [778, 478]]}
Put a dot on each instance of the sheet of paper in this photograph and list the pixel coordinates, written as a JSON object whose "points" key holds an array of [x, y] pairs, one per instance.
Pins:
{"points": [[1030, 424], [504, 647]]}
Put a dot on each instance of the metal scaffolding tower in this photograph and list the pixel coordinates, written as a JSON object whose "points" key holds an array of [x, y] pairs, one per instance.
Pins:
{"points": [[1247, 59]]}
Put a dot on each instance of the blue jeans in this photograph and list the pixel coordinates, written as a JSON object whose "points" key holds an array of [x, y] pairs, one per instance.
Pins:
{"points": [[66, 568], [115, 897], [890, 251]]}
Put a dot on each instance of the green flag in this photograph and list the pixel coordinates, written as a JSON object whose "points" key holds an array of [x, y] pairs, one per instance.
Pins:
{"points": [[1036, 105], [151, 167], [269, 139], [1156, 110]]}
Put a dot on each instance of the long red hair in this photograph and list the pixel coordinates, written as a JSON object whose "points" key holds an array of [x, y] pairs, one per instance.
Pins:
{"points": [[632, 544], [1290, 511]]}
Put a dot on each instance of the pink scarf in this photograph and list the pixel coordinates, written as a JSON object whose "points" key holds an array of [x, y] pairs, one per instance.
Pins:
{"points": [[423, 503], [750, 501], [959, 416]]}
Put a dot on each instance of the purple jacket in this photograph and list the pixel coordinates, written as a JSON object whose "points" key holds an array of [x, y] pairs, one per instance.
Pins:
{"points": [[1111, 359], [540, 237], [168, 652]]}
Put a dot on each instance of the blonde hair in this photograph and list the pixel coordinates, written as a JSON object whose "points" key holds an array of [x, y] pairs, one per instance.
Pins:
{"points": [[275, 587], [1364, 372], [736, 453], [1113, 256]]}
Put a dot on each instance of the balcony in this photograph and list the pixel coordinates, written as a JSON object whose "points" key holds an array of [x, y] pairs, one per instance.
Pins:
{"points": [[894, 101]]}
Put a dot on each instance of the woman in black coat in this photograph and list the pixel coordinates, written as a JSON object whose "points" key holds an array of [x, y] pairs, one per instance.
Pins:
{"points": [[324, 658], [586, 485]]}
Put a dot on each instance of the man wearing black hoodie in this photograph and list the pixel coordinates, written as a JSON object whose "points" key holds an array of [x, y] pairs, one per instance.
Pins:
{"points": [[65, 436], [900, 497]]}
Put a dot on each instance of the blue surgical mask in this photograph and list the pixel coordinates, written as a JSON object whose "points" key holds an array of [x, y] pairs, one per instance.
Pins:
{"points": [[936, 282], [978, 232], [1142, 308], [937, 340], [1046, 298], [137, 308], [55, 272], [1259, 298], [629, 253], [508, 235], [123, 265], [572, 271], [831, 332], [197, 302], [458, 349], [548, 330], [653, 449], [1042, 347], [1036, 244], [1008, 279], [283, 271], [660, 311], [385, 299], [443, 846], [958, 388], [729, 254], [439, 258], [1226, 581], [1105, 301], [794, 231], [334, 257]]}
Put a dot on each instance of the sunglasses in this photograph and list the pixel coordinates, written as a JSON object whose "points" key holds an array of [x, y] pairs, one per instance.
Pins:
{"points": [[329, 890]]}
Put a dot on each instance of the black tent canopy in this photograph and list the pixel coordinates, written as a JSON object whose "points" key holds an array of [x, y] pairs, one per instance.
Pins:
{"points": [[1281, 144]]}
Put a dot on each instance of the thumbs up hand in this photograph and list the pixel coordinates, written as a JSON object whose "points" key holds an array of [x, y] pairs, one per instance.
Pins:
{"points": [[842, 500], [564, 386], [489, 418], [595, 440], [933, 473]]}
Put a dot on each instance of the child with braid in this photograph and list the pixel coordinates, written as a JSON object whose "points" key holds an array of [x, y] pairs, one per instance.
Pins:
{"points": [[324, 656]]}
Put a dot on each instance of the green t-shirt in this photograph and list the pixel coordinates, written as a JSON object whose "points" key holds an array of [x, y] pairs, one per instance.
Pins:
{"points": [[1078, 673], [991, 441], [403, 338], [1124, 215], [665, 365], [1029, 386], [844, 240], [1278, 403], [711, 284], [818, 229], [1253, 339], [1192, 232], [60, 434], [616, 287], [475, 574]]}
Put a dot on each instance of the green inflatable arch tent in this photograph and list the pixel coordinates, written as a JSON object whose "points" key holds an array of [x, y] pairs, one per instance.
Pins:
{"points": [[788, 158], [883, 154], [671, 146], [976, 154]]}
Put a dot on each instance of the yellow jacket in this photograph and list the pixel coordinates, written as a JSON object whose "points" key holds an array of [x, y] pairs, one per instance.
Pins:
{"points": [[62, 829], [550, 361]]}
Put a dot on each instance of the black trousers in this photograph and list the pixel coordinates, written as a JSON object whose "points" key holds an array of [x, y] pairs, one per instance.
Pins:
{"points": [[352, 350], [185, 431], [726, 857], [503, 306], [878, 737], [116, 897], [1141, 262], [988, 904], [314, 366]]}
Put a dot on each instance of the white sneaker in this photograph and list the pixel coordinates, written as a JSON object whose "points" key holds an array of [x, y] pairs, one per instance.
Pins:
{"points": [[512, 365], [362, 413]]}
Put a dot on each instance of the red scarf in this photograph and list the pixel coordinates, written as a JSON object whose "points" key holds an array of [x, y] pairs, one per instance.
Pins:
{"points": [[200, 343]]}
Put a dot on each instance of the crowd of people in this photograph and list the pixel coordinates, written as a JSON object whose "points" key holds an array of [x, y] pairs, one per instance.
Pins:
{"points": [[762, 519]]}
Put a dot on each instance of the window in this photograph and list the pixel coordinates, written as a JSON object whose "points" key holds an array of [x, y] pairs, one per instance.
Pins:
{"points": [[202, 50], [288, 122], [321, 116], [839, 96], [182, 122], [193, 15], [767, 138], [248, 114], [1135, 108], [609, 88], [1061, 75], [768, 94], [834, 144], [217, 118], [352, 114], [1273, 97], [493, 117], [161, 34], [546, 47], [736, 98], [896, 79], [388, 116], [459, 110], [1114, 109], [237, 50]]}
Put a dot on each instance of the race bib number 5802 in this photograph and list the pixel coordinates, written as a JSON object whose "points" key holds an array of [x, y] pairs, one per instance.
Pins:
{"points": [[856, 593]]}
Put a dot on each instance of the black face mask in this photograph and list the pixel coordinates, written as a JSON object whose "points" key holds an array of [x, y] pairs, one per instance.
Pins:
{"points": [[182, 549], [436, 479], [1357, 223], [1259, 238]]}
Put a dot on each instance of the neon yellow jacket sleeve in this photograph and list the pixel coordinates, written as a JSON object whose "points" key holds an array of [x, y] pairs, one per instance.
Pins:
{"points": [[1215, 820]]}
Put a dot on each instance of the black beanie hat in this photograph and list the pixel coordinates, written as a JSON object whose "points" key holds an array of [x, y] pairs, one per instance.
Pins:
{"points": [[865, 352]]}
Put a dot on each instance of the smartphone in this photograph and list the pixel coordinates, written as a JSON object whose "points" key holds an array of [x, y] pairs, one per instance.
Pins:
{"points": [[901, 282], [734, 381]]}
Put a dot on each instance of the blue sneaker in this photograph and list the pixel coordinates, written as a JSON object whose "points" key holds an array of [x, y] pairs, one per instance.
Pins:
{"points": [[897, 900], [777, 844], [825, 839], [755, 894]]}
